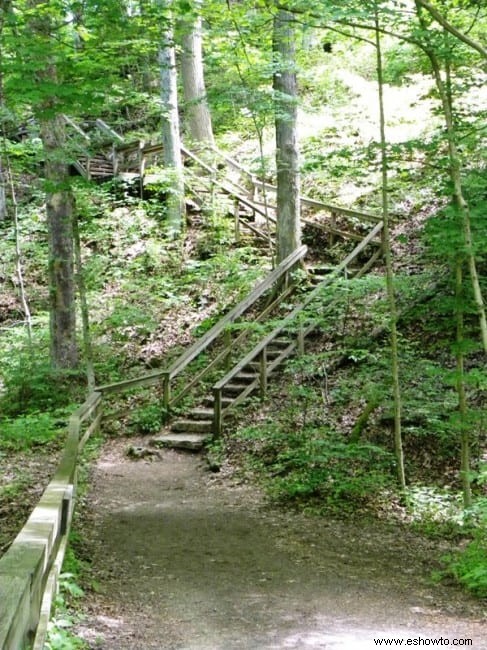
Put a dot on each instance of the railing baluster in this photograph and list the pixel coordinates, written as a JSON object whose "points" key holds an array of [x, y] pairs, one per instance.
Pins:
{"points": [[217, 412], [263, 372], [166, 393]]}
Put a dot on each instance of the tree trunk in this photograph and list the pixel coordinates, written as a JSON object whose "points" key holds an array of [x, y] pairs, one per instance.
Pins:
{"points": [[465, 468], [285, 107], [3, 194], [456, 179], [198, 117], [59, 196], [59, 208], [85, 314], [170, 134], [391, 294]]}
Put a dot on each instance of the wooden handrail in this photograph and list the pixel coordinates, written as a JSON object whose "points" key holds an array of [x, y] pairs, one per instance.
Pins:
{"points": [[203, 343], [331, 207], [263, 344], [30, 567], [103, 126]]}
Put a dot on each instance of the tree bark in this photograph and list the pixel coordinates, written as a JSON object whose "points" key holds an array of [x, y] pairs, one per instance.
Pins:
{"points": [[391, 294], [59, 198], [198, 117], [285, 107], [170, 133], [59, 209]]}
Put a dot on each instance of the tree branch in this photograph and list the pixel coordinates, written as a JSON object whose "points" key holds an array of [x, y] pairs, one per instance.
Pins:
{"points": [[450, 28]]}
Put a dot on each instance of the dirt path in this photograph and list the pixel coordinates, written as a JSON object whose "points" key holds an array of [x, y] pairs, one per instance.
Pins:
{"points": [[187, 560]]}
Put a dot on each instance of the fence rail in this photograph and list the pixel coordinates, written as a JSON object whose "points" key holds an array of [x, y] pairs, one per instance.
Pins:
{"points": [[30, 568], [293, 330]]}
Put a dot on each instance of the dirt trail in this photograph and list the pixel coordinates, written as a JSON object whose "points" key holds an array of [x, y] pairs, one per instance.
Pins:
{"points": [[186, 560]]}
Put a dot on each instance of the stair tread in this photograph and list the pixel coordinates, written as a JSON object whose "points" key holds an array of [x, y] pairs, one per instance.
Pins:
{"points": [[190, 441], [191, 426], [201, 413]]}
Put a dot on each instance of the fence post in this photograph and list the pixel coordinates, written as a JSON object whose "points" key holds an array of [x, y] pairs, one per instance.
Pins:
{"points": [[115, 162], [227, 337], [166, 394], [217, 412], [263, 372], [141, 158], [301, 339], [236, 214]]}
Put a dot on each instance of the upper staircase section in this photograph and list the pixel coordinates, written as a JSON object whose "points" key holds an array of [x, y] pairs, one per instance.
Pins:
{"points": [[211, 178]]}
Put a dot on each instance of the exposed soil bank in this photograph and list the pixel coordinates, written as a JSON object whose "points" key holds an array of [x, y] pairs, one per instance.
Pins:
{"points": [[188, 560]]}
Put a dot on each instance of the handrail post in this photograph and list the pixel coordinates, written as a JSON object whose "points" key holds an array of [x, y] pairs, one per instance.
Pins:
{"points": [[217, 412], [263, 372], [236, 214], [141, 161], [301, 339], [115, 161], [227, 337], [166, 394]]}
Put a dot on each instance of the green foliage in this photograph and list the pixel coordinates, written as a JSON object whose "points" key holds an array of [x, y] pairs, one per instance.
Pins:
{"points": [[59, 635], [32, 430], [469, 566], [402, 61], [147, 419], [317, 467], [32, 386]]}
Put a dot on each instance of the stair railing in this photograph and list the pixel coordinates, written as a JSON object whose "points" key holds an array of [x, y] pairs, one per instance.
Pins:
{"points": [[30, 568], [279, 277], [258, 355]]}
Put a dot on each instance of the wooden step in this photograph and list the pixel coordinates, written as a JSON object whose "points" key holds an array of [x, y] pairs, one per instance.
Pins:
{"points": [[234, 389], [281, 343], [209, 401], [273, 354], [192, 426], [201, 414], [246, 377], [189, 441]]}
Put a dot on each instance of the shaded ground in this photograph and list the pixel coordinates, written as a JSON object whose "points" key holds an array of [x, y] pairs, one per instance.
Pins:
{"points": [[187, 560]]}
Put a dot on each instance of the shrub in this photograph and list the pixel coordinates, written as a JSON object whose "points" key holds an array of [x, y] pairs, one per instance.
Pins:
{"points": [[30, 430], [469, 567], [318, 467]]}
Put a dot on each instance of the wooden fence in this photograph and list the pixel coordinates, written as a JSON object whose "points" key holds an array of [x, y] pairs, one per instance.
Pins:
{"points": [[292, 329], [30, 568]]}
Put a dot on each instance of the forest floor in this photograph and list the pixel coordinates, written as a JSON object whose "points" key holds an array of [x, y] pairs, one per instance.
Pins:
{"points": [[185, 559]]}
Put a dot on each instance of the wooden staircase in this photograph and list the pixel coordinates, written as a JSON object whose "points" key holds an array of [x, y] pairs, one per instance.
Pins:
{"points": [[211, 177], [251, 373]]}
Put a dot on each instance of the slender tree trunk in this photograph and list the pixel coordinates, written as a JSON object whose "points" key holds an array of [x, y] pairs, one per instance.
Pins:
{"points": [[285, 106], [391, 295], [85, 316], [3, 193], [18, 253], [170, 134], [444, 90], [198, 115], [461, 392], [456, 178]]}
